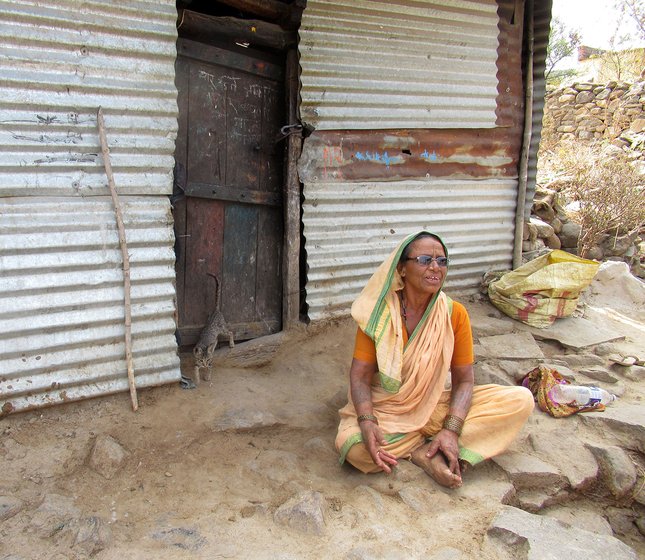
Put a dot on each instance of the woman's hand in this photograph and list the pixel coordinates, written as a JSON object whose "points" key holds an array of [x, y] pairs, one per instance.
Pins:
{"points": [[447, 443], [373, 440], [360, 384]]}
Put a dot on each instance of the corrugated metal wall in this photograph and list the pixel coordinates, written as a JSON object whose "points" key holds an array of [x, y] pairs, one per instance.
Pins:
{"points": [[62, 318], [61, 300], [351, 227], [60, 60], [374, 64], [542, 30]]}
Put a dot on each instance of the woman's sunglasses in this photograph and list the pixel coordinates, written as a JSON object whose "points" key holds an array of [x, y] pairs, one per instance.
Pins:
{"points": [[426, 260]]}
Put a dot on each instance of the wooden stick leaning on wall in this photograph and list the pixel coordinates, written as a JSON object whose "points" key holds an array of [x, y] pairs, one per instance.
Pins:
{"points": [[126, 260]]}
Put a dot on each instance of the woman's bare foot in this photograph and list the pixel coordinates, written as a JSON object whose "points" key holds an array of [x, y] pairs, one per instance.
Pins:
{"points": [[436, 467]]}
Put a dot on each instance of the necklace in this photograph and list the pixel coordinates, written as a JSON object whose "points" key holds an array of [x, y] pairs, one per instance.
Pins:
{"points": [[404, 311]]}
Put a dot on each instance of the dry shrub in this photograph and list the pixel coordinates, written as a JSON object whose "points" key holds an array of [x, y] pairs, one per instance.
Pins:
{"points": [[607, 188]]}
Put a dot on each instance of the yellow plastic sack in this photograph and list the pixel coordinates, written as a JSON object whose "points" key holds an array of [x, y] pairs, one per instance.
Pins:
{"points": [[543, 289]]}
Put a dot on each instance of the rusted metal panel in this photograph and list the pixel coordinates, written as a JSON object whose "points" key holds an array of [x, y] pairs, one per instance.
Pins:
{"points": [[350, 228], [368, 64], [510, 86], [394, 155], [61, 303], [61, 61], [542, 28]]}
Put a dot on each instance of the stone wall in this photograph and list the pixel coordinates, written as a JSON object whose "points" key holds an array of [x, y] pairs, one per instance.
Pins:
{"points": [[587, 111]]}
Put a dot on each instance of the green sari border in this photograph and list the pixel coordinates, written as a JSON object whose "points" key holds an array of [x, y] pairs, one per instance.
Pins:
{"points": [[470, 456], [358, 438]]}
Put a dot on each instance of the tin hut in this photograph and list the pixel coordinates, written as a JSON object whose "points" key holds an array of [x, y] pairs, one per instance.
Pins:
{"points": [[270, 152]]}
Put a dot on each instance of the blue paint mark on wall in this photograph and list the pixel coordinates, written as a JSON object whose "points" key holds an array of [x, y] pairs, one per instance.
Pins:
{"points": [[388, 160], [384, 157]]}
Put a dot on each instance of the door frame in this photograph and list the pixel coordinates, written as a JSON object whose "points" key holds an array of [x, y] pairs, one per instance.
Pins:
{"points": [[196, 26]]}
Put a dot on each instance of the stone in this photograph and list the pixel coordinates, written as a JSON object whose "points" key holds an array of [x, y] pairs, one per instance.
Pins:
{"points": [[640, 524], [492, 326], [637, 125], [576, 333], [9, 506], [277, 465], [422, 500], [606, 349], [515, 346], [556, 224], [448, 553], [516, 369], [598, 373], [584, 97], [518, 535], [531, 246], [319, 447], [603, 93], [89, 535], [107, 456], [486, 373], [625, 423], [616, 468], [553, 242], [367, 497], [595, 253], [376, 553], [183, 538], [633, 373], [544, 230], [244, 420], [573, 459], [587, 519], [569, 234], [304, 512], [53, 513], [535, 500], [621, 520], [528, 472], [566, 98]]}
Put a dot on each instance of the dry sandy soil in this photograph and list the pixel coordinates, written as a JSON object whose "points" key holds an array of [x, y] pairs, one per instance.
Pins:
{"points": [[189, 489]]}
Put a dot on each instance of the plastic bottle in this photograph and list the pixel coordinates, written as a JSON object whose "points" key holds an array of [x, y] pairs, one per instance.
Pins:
{"points": [[579, 395]]}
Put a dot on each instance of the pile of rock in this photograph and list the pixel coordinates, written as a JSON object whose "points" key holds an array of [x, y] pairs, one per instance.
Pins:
{"points": [[588, 111], [551, 228]]}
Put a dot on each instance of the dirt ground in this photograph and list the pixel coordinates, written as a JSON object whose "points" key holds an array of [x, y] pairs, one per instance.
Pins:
{"points": [[190, 489]]}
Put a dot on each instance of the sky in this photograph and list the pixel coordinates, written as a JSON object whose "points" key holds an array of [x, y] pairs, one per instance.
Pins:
{"points": [[596, 20]]}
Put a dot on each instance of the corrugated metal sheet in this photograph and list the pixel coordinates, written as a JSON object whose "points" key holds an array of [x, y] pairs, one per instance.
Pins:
{"points": [[60, 60], [61, 297], [542, 29], [351, 227], [374, 64], [351, 155], [61, 303]]}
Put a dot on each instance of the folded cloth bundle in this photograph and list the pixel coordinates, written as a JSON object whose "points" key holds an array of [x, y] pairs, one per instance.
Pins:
{"points": [[540, 381]]}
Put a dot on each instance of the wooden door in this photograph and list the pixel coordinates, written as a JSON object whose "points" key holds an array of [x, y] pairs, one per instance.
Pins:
{"points": [[229, 160]]}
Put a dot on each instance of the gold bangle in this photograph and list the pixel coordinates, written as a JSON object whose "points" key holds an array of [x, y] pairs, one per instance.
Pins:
{"points": [[367, 418], [453, 423]]}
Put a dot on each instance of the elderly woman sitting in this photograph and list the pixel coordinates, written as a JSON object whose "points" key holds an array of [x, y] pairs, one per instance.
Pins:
{"points": [[410, 336]]}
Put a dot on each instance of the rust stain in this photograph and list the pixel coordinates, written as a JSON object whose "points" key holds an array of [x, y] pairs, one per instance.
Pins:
{"points": [[331, 156], [7, 408]]}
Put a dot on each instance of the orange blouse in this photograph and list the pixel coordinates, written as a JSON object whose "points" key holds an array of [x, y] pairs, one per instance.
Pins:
{"points": [[462, 354]]}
